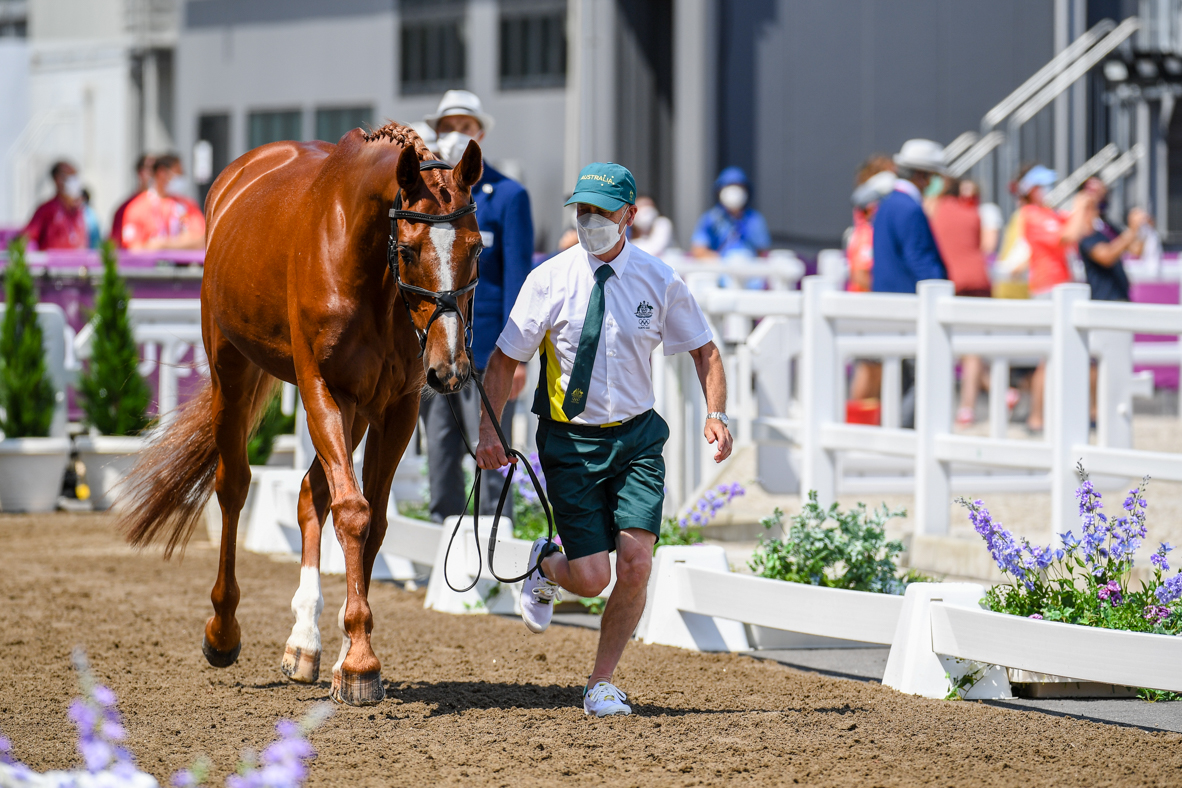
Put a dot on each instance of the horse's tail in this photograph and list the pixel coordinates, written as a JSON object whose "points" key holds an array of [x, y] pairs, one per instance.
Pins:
{"points": [[165, 494]]}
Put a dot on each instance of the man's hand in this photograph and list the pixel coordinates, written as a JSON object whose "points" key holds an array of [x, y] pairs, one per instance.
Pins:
{"points": [[717, 432], [498, 379], [490, 454], [1138, 218]]}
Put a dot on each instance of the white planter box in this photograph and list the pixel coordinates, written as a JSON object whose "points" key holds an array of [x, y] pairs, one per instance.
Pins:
{"points": [[107, 459], [31, 471]]}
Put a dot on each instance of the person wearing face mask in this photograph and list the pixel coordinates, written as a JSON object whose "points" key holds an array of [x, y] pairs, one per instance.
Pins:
{"points": [[60, 222], [507, 231], [732, 225], [597, 311], [651, 232], [143, 175], [164, 216]]}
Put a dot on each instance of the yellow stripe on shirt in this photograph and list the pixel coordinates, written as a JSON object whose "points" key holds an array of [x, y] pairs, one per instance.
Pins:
{"points": [[553, 371]]}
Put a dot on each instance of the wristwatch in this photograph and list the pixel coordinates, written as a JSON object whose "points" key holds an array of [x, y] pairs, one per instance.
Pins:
{"points": [[720, 416]]}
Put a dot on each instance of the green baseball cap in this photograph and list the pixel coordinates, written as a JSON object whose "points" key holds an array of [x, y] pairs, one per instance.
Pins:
{"points": [[604, 185]]}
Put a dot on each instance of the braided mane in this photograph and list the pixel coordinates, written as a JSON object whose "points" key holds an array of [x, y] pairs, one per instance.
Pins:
{"points": [[403, 135]]}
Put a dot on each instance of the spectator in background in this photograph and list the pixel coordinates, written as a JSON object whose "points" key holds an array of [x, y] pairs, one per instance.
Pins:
{"points": [[143, 175], [1049, 234], [94, 229], [731, 225], [506, 228], [164, 217], [60, 222], [876, 179], [905, 251], [651, 232], [1102, 248], [957, 227]]}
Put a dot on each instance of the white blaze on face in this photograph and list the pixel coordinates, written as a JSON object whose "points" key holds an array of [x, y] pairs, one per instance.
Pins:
{"points": [[443, 238], [307, 605]]}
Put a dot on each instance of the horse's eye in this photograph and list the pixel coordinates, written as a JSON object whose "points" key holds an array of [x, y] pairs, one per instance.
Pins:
{"points": [[407, 253]]}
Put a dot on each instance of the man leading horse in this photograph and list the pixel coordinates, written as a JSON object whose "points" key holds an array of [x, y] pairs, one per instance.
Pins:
{"points": [[597, 311]]}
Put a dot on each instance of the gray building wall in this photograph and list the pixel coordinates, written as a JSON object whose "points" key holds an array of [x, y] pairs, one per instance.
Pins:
{"points": [[237, 57], [809, 88]]}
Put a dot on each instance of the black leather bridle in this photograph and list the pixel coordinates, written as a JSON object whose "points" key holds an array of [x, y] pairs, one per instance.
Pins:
{"points": [[445, 300]]}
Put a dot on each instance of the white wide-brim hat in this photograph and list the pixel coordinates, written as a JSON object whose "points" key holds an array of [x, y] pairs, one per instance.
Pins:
{"points": [[923, 155], [461, 102]]}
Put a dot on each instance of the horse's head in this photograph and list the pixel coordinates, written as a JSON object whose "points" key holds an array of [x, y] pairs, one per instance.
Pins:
{"points": [[438, 248]]}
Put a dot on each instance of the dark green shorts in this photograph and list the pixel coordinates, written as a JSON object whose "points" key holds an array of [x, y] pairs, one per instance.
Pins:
{"points": [[601, 480]]}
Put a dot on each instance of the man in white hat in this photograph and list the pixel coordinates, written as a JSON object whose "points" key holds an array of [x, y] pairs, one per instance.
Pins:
{"points": [[905, 251], [506, 228]]}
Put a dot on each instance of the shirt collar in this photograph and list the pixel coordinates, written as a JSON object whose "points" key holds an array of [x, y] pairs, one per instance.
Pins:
{"points": [[908, 188], [618, 265]]}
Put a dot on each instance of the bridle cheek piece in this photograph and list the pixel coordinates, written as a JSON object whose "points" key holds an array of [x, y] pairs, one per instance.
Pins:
{"points": [[445, 300]]}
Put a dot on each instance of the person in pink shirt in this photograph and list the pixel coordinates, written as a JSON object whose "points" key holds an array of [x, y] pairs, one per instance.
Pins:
{"points": [[163, 217], [60, 223]]}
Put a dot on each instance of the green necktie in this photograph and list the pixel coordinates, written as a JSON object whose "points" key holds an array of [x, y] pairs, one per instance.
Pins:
{"points": [[580, 373]]}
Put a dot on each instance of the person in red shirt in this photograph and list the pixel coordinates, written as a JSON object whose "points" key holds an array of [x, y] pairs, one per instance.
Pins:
{"points": [[1049, 234], [164, 217], [60, 223], [143, 172]]}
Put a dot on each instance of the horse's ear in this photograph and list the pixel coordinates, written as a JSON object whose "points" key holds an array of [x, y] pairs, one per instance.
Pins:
{"points": [[467, 173], [407, 171]]}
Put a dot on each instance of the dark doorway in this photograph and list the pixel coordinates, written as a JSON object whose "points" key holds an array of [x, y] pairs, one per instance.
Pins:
{"points": [[214, 129], [644, 96]]}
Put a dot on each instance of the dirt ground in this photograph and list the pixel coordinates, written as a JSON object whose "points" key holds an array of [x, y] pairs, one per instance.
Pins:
{"points": [[477, 700]]}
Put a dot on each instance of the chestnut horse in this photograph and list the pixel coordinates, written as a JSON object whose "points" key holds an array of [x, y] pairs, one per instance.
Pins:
{"points": [[298, 288]]}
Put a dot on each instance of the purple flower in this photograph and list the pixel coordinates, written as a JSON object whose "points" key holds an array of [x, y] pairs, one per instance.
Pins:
{"points": [[1036, 616], [1110, 592], [1158, 559], [1170, 590], [1156, 613]]}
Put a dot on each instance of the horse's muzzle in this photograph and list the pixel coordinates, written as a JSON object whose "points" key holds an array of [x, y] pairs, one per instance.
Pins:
{"points": [[448, 378]]}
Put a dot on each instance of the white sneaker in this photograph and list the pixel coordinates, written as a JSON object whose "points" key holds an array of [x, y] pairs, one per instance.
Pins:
{"points": [[604, 700], [538, 594]]}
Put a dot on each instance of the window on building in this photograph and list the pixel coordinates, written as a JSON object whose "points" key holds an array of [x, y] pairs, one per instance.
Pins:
{"points": [[432, 46], [14, 15], [264, 127], [532, 44], [215, 130], [332, 124]]}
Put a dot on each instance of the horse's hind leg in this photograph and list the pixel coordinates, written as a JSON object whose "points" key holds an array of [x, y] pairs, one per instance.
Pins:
{"points": [[301, 656], [237, 388]]}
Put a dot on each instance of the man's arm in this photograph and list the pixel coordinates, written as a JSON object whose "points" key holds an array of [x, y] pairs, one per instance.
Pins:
{"points": [[708, 363], [498, 376], [1107, 253], [920, 252]]}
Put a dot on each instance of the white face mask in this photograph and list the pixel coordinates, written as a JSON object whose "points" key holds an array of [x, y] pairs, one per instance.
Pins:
{"points": [[597, 234], [646, 217], [178, 186], [72, 188], [733, 197], [452, 146]]}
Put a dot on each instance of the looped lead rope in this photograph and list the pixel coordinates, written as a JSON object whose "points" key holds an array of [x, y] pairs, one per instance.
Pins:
{"points": [[447, 301]]}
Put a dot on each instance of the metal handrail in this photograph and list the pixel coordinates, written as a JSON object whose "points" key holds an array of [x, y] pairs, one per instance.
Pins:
{"points": [[1040, 78], [1119, 168], [982, 148], [1069, 185], [959, 145]]}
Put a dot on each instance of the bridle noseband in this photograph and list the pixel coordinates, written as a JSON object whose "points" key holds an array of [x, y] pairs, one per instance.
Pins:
{"points": [[445, 300]]}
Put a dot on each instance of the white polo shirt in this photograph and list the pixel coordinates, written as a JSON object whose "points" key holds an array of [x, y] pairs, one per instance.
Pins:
{"points": [[646, 303]]}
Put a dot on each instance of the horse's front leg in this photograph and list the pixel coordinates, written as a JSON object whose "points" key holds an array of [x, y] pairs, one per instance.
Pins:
{"points": [[301, 655], [330, 419]]}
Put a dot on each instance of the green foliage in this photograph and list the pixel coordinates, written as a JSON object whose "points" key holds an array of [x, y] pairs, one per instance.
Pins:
{"points": [[674, 534], [26, 392], [595, 605], [272, 424], [852, 553], [114, 395]]}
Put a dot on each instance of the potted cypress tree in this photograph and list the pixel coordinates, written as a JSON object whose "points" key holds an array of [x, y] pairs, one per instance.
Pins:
{"points": [[31, 463], [114, 396]]}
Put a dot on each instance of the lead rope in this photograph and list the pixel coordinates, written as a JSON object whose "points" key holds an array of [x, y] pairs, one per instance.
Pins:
{"points": [[474, 501]]}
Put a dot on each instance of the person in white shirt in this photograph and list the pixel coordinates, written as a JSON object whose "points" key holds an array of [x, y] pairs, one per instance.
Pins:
{"points": [[651, 232], [597, 311]]}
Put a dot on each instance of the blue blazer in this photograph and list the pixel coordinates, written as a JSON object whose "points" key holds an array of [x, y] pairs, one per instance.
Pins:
{"points": [[503, 213], [905, 251]]}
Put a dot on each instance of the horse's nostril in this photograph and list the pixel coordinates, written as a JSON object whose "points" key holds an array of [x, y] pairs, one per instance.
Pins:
{"points": [[433, 379]]}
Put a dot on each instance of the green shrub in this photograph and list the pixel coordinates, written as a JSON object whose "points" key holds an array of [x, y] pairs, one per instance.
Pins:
{"points": [[114, 396], [273, 424], [852, 553], [26, 392]]}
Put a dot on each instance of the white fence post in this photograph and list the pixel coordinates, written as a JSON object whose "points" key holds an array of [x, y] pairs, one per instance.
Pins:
{"points": [[1066, 408], [999, 389], [771, 348], [933, 409], [1114, 387], [818, 389]]}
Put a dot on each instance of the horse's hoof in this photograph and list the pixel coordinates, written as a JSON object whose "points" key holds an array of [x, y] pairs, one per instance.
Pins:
{"points": [[220, 659], [358, 689], [299, 665]]}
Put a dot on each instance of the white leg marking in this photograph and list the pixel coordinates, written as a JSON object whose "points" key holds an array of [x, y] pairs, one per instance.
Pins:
{"points": [[345, 642], [307, 604], [443, 238]]}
